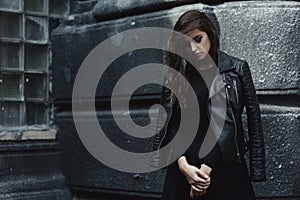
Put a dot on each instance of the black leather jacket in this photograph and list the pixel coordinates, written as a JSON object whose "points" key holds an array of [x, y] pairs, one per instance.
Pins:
{"points": [[240, 93]]}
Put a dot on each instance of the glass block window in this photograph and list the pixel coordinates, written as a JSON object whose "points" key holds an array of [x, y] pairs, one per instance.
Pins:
{"points": [[36, 6], [25, 60], [11, 5], [10, 24], [11, 56]]}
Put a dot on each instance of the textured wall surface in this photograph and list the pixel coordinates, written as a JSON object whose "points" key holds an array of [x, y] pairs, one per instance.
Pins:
{"points": [[31, 170], [282, 128], [266, 34]]}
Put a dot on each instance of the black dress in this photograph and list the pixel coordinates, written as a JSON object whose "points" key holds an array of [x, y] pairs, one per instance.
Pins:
{"points": [[230, 182]]}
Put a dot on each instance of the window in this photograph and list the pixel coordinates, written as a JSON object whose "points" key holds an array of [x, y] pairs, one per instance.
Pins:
{"points": [[25, 60]]}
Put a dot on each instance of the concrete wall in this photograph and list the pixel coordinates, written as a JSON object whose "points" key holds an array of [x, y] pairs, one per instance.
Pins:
{"points": [[264, 33]]}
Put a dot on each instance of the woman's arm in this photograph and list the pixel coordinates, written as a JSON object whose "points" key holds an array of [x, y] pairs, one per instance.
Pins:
{"points": [[194, 193], [256, 137]]}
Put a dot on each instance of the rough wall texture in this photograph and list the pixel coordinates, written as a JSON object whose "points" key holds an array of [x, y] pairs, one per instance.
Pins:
{"points": [[31, 170], [266, 34]]}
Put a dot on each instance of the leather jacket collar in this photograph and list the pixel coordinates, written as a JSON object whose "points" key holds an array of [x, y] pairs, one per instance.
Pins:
{"points": [[224, 64]]}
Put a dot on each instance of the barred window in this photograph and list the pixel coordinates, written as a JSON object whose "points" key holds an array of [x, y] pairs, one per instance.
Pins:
{"points": [[25, 60]]}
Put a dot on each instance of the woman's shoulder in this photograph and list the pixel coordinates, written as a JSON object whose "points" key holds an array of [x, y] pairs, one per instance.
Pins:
{"points": [[232, 62], [227, 62], [233, 59]]}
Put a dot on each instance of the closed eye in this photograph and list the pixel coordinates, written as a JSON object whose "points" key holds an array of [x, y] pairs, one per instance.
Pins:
{"points": [[198, 38]]}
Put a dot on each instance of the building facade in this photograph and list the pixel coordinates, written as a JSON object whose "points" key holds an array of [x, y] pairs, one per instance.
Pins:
{"points": [[43, 44]]}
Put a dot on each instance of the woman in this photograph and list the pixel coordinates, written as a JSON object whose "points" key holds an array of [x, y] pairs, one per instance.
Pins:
{"points": [[222, 173]]}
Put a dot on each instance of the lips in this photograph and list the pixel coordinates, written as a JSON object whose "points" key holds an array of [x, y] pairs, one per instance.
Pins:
{"points": [[199, 54]]}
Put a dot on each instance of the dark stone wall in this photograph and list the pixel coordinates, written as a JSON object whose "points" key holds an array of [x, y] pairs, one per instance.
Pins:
{"points": [[31, 170], [264, 33]]}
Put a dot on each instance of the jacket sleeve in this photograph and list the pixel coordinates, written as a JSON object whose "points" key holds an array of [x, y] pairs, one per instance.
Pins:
{"points": [[256, 137]]}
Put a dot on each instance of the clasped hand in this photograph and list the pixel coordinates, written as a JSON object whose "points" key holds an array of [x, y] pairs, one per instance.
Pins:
{"points": [[198, 179]]}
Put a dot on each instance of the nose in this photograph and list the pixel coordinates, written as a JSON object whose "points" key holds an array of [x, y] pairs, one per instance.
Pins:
{"points": [[193, 47]]}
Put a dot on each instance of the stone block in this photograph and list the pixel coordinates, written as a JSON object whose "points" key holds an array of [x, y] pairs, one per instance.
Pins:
{"points": [[281, 126], [267, 35], [83, 170]]}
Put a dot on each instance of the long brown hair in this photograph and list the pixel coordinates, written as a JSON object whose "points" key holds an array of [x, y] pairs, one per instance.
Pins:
{"points": [[188, 21]]}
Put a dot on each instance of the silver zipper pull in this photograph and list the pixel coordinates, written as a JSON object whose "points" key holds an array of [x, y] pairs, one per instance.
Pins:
{"points": [[238, 158], [236, 92]]}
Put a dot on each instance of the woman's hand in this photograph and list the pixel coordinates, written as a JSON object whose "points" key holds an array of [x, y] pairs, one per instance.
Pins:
{"points": [[206, 169], [193, 192], [197, 178]]}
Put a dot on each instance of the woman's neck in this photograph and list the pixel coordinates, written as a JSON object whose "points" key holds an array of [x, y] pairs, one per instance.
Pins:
{"points": [[206, 63], [205, 67]]}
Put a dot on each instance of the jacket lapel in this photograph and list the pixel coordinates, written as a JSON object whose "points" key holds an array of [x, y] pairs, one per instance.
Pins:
{"points": [[224, 64], [217, 86]]}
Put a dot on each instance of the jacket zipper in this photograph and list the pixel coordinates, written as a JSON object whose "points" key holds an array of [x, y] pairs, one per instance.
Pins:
{"points": [[235, 126], [238, 101], [236, 92]]}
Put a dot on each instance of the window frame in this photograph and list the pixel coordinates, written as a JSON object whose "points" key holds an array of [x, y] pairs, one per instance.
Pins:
{"points": [[41, 74]]}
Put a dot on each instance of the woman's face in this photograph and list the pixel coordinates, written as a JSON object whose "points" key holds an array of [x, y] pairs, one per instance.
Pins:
{"points": [[200, 43]]}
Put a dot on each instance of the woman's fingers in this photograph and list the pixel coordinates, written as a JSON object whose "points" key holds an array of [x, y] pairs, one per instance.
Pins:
{"points": [[194, 177], [200, 187], [201, 181], [194, 192], [196, 189], [202, 174], [201, 184]]}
